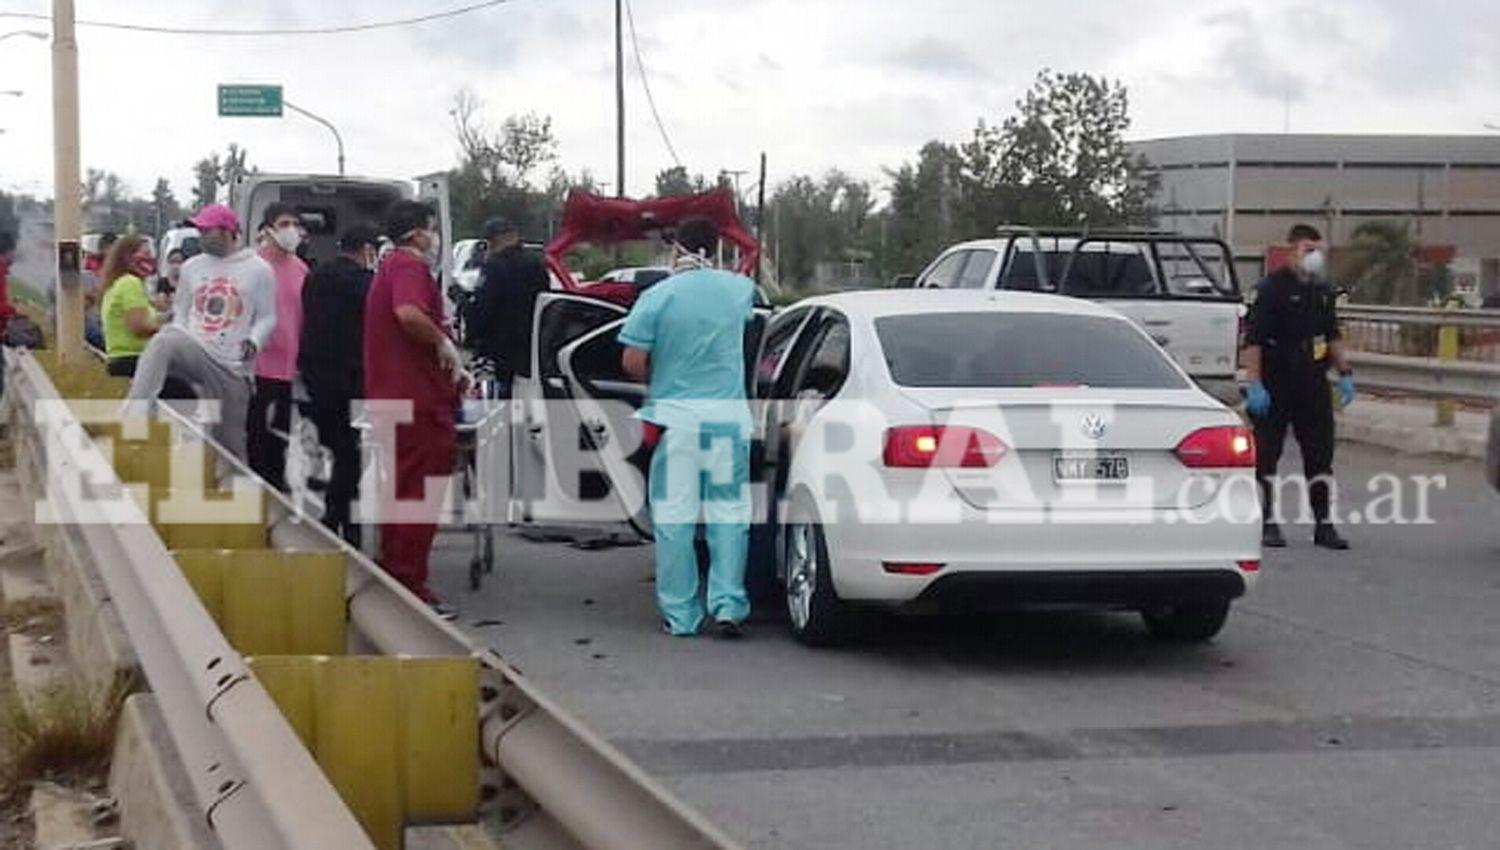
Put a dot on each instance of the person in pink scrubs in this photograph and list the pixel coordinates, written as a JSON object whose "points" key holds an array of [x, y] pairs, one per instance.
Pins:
{"points": [[270, 417]]}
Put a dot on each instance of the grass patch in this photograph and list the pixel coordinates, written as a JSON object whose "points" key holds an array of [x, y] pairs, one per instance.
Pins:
{"points": [[62, 734], [32, 616]]}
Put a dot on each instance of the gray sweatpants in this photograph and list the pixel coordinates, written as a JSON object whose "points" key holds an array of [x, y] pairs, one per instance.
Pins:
{"points": [[173, 353]]}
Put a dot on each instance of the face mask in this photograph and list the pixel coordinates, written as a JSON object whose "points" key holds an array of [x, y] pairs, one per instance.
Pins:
{"points": [[215, 244], [686, 260], [1315, 263], [287, 238], [144, 266], [434, 252]]}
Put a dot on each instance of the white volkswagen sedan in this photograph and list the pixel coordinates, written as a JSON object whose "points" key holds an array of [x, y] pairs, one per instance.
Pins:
{"points": [[937, 449]]}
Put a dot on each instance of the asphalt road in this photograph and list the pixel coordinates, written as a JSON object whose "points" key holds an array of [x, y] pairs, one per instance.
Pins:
{"points": [[1352, 702]]}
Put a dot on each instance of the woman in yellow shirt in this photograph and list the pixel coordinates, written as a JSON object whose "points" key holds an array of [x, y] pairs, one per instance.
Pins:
{"points": [[125, 311]]}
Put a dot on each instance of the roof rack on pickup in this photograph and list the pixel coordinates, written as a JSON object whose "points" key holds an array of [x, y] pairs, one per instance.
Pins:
{"points": [[1084, 231]]}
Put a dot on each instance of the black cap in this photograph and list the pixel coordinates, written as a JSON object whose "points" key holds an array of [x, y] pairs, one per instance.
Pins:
{"points": [[499, 226], [358, 237]]}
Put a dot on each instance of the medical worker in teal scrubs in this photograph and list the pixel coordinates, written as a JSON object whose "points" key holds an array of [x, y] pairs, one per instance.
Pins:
{"points": [[685, 337]]}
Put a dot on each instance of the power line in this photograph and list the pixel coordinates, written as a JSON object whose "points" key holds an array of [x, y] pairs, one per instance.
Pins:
{"points": [[326, 30], [646, 85]]}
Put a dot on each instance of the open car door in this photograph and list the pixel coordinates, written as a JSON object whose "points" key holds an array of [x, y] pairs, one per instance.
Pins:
{"points": [[605, 401], [558, 481]]}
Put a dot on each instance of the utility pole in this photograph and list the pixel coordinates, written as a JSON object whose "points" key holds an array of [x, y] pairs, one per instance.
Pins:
{"points": [[619, 99], [760, 217], [68, 213]]}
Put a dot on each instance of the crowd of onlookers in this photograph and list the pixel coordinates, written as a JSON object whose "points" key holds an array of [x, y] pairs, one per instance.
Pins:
{"points": [[248, 326], [249, 329]]}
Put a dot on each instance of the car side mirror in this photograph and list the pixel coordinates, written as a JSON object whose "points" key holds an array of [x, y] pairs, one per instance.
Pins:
{"points": [[904, 281]]}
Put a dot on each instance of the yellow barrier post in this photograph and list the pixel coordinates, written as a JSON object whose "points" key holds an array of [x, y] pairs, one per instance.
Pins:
{"points": [[1447, 350], [398, 737]]}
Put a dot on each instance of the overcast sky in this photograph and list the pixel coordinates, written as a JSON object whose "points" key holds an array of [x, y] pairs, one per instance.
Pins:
{"points": [[856, 84]]}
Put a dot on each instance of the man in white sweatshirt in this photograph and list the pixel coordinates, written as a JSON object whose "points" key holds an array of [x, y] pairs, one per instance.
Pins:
{"points": [[223, 313]]}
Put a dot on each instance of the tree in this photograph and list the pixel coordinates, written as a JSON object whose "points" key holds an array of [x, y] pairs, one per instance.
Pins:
{"points": [[921, 219], [164, 206], [206, 181], [497, 169], [1060, 161], [214, 171], [236, 165], [1382, 266], [675, 181], [816, 221], [105, 201]]}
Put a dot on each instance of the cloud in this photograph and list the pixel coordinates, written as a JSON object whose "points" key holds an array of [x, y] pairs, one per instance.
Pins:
{"points": [[934, 55], [1252, 61]]}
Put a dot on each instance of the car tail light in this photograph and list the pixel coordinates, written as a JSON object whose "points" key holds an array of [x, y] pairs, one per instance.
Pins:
{"points": [[903, 568], [1226, 447], [950, 446], [1250, 566]]}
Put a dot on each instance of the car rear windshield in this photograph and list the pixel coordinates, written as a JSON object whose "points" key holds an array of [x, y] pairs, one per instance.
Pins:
{"points": [[1022, 350]]}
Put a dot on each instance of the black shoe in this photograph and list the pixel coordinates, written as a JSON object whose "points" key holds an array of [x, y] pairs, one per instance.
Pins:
{"points": [[1270, 536], [1328, 537], [729, 630]]}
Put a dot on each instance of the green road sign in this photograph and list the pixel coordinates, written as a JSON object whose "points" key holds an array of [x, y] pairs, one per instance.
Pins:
{"points": [[250, 101]]}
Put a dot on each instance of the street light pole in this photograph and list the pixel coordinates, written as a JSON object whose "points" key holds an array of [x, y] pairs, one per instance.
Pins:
{"points": [[338, 140], [67, 204]]}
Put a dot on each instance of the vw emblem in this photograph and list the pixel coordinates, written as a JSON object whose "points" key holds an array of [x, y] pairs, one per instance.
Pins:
{"points": [[1093, 426]]}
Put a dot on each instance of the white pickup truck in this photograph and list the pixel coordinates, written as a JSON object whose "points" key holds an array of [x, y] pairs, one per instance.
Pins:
{"points": [[1182, 289]]}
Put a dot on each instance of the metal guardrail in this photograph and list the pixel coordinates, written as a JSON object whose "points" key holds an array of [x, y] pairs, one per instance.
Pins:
{"points": [[1467, 335], [1421, 316], [256, 784], [1438, 353], [556, 785], [1427, 376]]}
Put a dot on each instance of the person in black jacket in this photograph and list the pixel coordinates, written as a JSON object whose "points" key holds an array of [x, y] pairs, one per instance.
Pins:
{"points": [[501, 321], [331, 362], [1292, 340]]}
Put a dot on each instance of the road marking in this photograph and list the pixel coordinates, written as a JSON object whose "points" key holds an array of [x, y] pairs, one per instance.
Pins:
{"points": [[1260, 737]]}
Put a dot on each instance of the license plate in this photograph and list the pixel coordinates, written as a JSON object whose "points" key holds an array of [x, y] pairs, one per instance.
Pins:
{"points": [[1093, 467]]}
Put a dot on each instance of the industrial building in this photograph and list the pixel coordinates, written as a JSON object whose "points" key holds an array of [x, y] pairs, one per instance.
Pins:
{"points": [[1250, 188]]}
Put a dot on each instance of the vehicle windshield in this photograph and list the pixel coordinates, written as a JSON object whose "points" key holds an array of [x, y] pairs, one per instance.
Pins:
{"points": [[646, 277], [1121, 269], [1022, 350]]}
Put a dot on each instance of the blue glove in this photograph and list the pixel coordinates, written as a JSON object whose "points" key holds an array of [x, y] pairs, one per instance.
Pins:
{"points": [[1346, 390], [1258, 400]]}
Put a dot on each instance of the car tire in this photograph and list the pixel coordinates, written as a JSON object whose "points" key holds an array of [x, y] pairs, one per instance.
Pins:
{"points": [[815, 613], [1188, 622]]}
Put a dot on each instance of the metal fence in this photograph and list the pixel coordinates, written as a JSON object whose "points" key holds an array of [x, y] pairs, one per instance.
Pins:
{"points": [[554, 784], [1443, 354], [1418, 332]]}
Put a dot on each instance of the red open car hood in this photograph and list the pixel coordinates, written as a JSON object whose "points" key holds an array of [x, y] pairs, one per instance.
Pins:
{"points": [[606, 221]]}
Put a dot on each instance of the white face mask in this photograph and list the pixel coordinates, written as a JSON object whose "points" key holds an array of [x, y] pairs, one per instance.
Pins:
{"points": [[287, 238], [1315, 263], [434, 252]]}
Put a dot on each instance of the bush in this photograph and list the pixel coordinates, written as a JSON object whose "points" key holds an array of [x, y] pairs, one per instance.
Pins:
{"points": [[62, 732]]}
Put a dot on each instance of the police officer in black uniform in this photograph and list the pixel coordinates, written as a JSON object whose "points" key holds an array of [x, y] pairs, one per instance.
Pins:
{"points": [[1293, 339]]}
